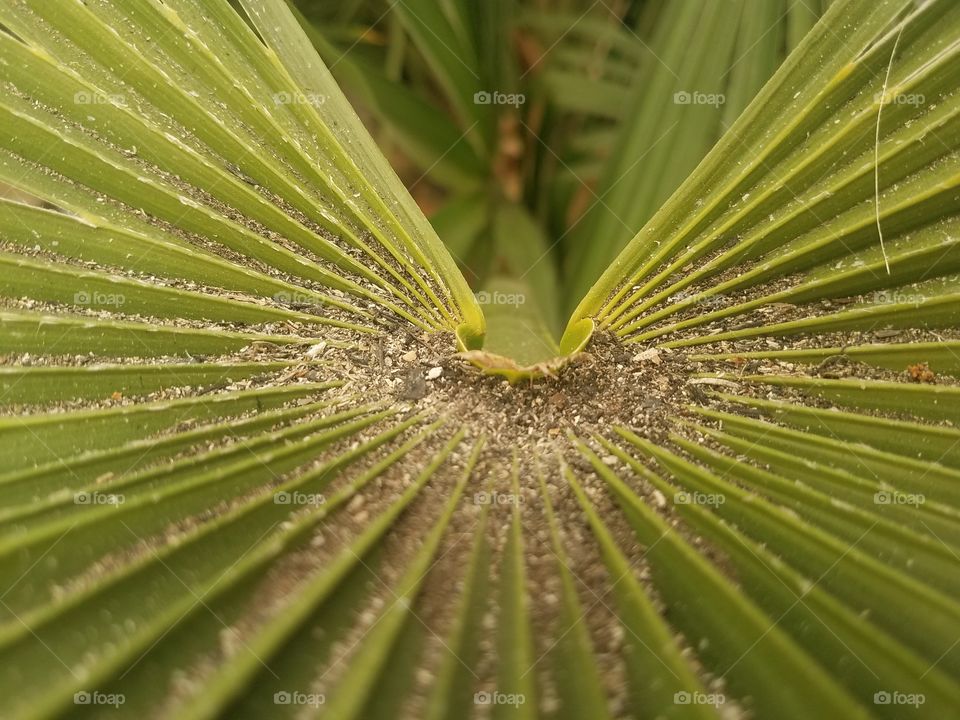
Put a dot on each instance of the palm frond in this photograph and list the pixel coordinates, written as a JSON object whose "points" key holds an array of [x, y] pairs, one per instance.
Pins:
{"points": [[247, 472]]}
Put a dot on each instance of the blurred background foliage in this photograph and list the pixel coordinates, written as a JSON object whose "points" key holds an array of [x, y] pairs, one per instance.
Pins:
{"points": [[540, 135]]}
